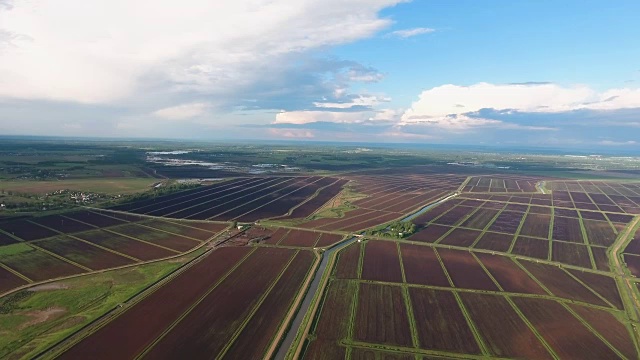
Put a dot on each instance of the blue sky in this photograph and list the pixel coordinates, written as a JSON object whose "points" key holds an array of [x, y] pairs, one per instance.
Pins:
{"points": [[531, 73]]}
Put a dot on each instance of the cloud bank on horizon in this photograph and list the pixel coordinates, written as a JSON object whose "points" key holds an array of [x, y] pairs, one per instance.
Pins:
{"points": [[359, 70]]}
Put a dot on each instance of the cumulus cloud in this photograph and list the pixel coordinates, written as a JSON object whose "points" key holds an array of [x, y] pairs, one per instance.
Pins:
{"points": [[407, 33], [441, 104], [200, 47]]}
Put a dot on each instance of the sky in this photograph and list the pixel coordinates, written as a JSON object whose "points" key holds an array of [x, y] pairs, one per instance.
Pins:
{"points": [[494, 72]]}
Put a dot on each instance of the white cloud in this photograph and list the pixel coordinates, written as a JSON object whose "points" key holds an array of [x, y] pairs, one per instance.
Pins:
{"points": [[306, 117], [437, 105], [104, 51], [458, 122], [407, 33], [291, 133], [360, 100], [391, 115], [182, 112], [617, 143]]}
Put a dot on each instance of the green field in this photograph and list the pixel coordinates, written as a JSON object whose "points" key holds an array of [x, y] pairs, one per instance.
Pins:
{"points": [[32, 320], [110, 186]]}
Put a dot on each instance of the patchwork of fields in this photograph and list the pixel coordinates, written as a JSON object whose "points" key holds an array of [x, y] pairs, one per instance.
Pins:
{"points": [[244, 199], [488, 273], [495, 269], [388, 197], [57, 246], [417, 299]]}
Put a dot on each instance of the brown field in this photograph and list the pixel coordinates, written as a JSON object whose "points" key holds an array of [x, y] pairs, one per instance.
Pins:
{"points": [[541, 210], [567, 229], [633, 264], [465, 271], [381, 316], [203, 225], [84, 253], [603, 285], [509, 275], [608, 327], [461, 237], [275, 237], [572, 254], [564, 333], [328, 239], [536, 225], [61, 224], [560, 283], [421, 266], [599, 232], [531, 247], [208, 327], [507, 222], [600, 258], [430, 234], [94, 219], [433, 213], [125, 245], [171, 241], [455, 215], [321, 349], [493, 205], [300, 238], [368, 354], [571, 213], [591, 215], [38, 265], [9, 281], [6, 239], [381, 262], [480, 219], [495, 242], [440, 323], [505, 333], [185, 229], [331, 326], [136, 328], [620, 218], [259, 332], [348, 260], [26, 230]]}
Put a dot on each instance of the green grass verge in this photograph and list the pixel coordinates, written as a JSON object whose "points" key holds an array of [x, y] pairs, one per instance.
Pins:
{"points": [[14, 249], [25, 327]]}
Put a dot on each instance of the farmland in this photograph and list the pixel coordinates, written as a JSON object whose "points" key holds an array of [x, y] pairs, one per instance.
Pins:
{"points": [[246, 200], [501, 265], [80, 242], [485, 274]]}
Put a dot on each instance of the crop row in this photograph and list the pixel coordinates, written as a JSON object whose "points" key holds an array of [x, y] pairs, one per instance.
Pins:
{"points": [[380, 315], [231, 302], [442, 267]]}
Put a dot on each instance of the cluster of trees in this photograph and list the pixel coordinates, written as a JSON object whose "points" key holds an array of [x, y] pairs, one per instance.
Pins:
{"points": [[405, 227], [398, 229]]}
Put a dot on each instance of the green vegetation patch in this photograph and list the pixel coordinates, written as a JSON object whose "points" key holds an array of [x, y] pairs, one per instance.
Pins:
{"points": [[33, 320], [14, 249], [397, 230]]}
